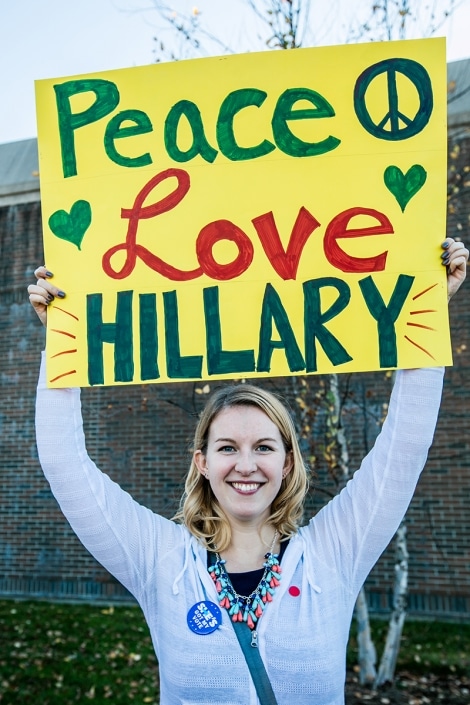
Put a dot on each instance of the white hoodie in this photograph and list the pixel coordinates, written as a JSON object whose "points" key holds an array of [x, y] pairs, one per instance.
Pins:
{"points": [[302, 637]]}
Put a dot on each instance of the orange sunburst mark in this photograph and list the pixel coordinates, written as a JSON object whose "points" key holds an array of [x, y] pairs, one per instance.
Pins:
{"points": [[65, 374], [64, 352], [428, 310], [67, 312], [420, 325], [425, 291], [63, 332], [420, 347]]}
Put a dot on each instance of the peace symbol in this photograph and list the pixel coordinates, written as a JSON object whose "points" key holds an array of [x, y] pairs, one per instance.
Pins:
{"points": [[395, 124]]}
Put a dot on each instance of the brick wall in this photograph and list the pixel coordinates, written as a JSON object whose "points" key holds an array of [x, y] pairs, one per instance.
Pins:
{"points": [[141, 435]]}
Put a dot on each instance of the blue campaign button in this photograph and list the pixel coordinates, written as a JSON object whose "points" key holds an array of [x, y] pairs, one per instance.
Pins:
{"points": [[204, 617]]}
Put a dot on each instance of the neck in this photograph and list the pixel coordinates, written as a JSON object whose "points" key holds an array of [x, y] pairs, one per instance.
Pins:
{"points": [[247, 548]]}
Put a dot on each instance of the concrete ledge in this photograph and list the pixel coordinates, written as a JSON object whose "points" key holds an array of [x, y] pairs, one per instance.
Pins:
{"points": [[73, 590], [420, 606]]}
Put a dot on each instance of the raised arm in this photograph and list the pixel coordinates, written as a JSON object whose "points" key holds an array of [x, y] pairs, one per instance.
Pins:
{"points": [[125, 537], [356, 526]]}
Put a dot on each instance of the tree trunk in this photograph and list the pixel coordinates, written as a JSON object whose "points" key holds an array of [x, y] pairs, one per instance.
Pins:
{"points": [[397, 619], [367, 653]]}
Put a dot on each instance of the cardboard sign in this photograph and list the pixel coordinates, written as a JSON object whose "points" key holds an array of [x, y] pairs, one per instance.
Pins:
{"points": [[247, 216]]}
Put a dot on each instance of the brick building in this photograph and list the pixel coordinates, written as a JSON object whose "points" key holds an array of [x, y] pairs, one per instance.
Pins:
{"points": [[132, 432]]}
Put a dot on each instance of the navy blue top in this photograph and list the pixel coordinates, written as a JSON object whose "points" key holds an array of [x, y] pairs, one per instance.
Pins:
{"points": [[246, 583]]}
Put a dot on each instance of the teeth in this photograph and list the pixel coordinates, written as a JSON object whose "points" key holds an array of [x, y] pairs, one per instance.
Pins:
{"points": [[244, 487]]}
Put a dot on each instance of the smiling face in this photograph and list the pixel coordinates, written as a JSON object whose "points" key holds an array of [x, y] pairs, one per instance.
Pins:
{"points": [[244, 462]]}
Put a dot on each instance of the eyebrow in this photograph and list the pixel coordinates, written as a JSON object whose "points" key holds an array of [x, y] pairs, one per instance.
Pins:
{"points": [[231, 440]]}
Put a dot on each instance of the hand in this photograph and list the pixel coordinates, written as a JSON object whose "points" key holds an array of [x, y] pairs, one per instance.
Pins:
{"points": [[43, 293], [454, 257]]}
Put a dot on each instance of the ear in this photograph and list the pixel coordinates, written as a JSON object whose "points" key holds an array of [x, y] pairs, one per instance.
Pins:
{"points": [[200, 462], [288, 464]]}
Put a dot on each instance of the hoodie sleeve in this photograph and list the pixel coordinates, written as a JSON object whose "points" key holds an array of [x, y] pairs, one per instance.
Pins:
{"points": [[125, 537], [354, 528]]}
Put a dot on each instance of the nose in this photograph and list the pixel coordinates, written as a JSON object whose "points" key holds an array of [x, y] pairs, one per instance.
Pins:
{"points": [[245, 464]]}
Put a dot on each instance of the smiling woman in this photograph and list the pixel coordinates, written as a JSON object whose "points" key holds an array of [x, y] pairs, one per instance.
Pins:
{"points": [[247, 469], [244, 605]]}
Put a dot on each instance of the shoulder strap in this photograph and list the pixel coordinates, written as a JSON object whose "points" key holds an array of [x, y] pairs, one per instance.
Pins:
{"points": [[255, 664], [253, 658]]}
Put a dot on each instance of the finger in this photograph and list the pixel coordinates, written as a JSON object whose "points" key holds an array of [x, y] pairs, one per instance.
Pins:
{"points": [[453, 251], [38, 301], [43, 283], [42, 288], [458, 262], [42, 273], [456, 246], [40, 294], [458, 251]]}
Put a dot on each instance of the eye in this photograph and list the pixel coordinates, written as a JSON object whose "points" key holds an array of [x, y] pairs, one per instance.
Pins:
{"points": [[226, 449], [262, 448]]}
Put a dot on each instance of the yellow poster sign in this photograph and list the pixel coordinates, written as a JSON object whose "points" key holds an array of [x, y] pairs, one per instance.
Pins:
{"points": [[247, 216]]}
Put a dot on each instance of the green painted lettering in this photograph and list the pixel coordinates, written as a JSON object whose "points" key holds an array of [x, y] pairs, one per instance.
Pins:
{"points": [[315, 319], [107, 98], [222, 361], [178, 366], [119, 333], [284, 111], [233, 104], [386, 315], [116, 130], [200, 144], [273, 310], [148, 337]]}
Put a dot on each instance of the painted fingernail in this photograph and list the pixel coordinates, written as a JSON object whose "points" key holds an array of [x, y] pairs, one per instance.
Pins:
{"points": [[48, 273], [445, 244], [50, 297], [61, 294]]}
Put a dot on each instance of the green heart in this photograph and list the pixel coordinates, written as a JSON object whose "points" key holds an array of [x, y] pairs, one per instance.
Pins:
{"points": [[72, 226], [404, 186]]}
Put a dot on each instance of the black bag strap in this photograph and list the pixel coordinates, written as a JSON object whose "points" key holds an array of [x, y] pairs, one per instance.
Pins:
{"points": [[253, 658], [255, 664]]}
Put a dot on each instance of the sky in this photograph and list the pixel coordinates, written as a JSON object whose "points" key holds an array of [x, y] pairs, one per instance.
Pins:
{"points": [[57, 38]]}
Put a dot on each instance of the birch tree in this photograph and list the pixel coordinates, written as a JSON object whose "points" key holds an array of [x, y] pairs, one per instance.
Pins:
{"points": [[396, 622], [366, 647]]}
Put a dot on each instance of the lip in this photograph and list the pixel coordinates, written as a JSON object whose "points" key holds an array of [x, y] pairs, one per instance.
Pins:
{"points": [[246, 488]]}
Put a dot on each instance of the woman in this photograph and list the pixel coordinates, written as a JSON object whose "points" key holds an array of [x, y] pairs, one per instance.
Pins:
{"points": [[237, 565]]}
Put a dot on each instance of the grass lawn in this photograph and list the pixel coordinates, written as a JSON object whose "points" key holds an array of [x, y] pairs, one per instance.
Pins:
{"points": [[56, 654]]}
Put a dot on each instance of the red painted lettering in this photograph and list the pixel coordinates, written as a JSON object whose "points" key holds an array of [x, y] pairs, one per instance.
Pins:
{"points": [[139, 212], [285, 262], [223, 230], [338, 228]]}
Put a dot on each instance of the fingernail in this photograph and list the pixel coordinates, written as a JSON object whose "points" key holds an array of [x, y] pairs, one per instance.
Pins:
{"points": [[61, 294], [444, 255], [50, 297], [445, 244], [48, 273]]}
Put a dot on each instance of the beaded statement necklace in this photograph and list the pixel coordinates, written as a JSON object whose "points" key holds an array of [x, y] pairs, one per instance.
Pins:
{"points": [[247, 609]]}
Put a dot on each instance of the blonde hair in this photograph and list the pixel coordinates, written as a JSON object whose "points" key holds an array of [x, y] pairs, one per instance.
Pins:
{"points": [[200, 510]]}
